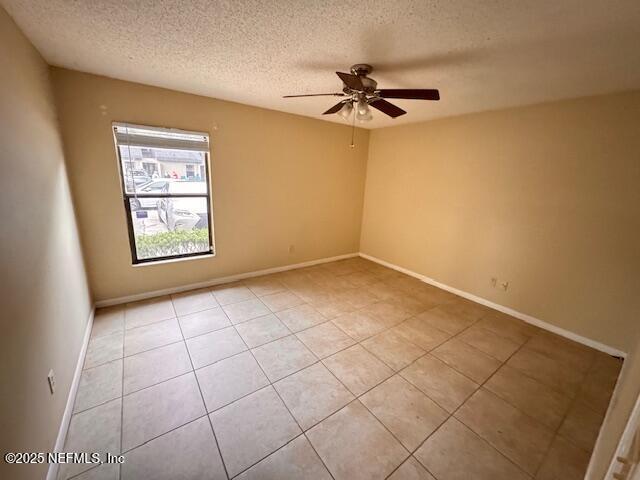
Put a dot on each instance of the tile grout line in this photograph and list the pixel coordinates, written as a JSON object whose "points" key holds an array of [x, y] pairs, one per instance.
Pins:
{"points": [[480, 385], [283, 402], [204, 404], [428, 352], [556, 433], [124, 334], [356, 397], [320, 360], [452, 415]]}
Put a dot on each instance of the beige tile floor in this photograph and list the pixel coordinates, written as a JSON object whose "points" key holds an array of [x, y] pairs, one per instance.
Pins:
{"points": [[346, 370]]}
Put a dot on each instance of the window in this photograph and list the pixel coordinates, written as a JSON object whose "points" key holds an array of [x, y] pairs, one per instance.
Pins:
{"points": [[168, 204]]}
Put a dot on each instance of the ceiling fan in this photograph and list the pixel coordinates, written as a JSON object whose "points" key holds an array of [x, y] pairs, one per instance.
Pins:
{"points": [[360, 92]]}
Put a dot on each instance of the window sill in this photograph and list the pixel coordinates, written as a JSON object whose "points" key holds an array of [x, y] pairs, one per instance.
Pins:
{"points": [[174, 260]]}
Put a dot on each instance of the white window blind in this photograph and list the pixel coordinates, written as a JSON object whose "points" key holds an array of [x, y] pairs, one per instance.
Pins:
{"points": [[139, 136]]}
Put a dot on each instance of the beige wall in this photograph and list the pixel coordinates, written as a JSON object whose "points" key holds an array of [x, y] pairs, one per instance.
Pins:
{"points": [[45, 299], [278, 180], [545, 197]]}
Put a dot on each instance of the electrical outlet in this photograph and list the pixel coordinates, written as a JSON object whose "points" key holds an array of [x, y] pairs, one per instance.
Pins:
{"points": [[52, 381], [494, 282], [292, 248], [504, 285]]}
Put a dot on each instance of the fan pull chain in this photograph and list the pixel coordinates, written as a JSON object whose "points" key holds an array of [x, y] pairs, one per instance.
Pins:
{"points": [[353, 130]]}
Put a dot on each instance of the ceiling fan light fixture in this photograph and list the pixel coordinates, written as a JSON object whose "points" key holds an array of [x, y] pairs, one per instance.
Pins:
{"points": [[363, 114], [362, 107], [364, 117], [345, 111]]}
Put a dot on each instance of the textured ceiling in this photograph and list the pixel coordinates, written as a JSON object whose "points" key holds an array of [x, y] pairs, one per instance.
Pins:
{"points": [[480, 54]]}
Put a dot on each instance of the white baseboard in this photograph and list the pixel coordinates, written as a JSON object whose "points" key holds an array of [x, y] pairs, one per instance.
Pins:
{"points": [[52, 472], [514, 313], [218, 281]]}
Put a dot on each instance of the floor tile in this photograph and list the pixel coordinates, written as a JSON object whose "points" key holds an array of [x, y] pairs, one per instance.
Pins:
{"points": [[99, 385], [508, 327], [151, 336], [581, 426], [359, 325], [389, 314], [393, 349], [374, 456], [311, 292], [148, 311], [360, 278], [245, 310], [193, 301], [266, 285], [156, 410], [339, 268], [454, 452], [564, 351], [251, 428], [312, 394], [211, 347], [530, 396], [564, 461], [206, 321], [407, 412], [357, 297], [409, 303], [295, 461], [447, 319], [597, 388], [104, 349], [434, 296], [407, 283], [607, 368], [516, 435], [411, 469], [108, 471], [189, 452], [548, 384], [283, 357], [261, 330], [488, 342], [301, 317], [379, 270], [281, 301], [229, 379], [325, 339], [331, 306], [463, 308], [438, 381], [383, 291], [231, 293], [155, 366], [94, 430], [555, 374], [107, 321], [416, 331], [357, 369], [468, 360]]}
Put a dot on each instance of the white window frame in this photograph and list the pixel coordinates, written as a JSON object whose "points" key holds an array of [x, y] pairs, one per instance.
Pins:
{"points": [[191, 141]]}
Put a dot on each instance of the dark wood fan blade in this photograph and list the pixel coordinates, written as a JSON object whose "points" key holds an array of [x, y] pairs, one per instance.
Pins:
{"points": [[351, 81], [410, 94], [334, 109], [316, 95], [386, 107]]}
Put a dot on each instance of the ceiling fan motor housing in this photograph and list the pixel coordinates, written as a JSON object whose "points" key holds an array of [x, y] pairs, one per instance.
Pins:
{"points": [[362, 70]]}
